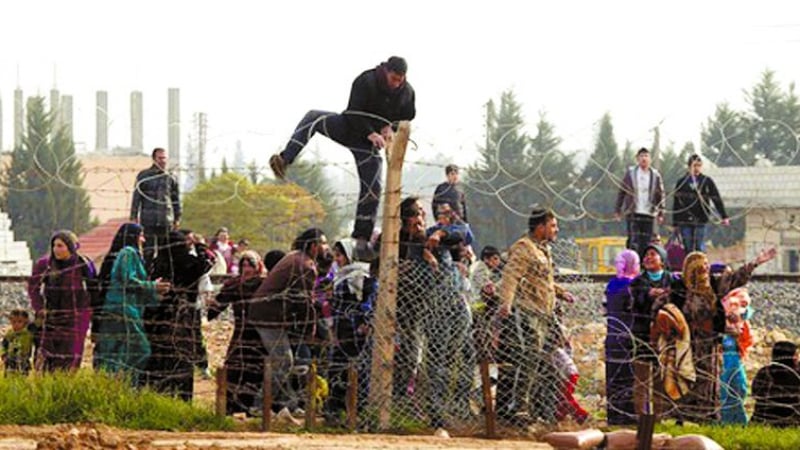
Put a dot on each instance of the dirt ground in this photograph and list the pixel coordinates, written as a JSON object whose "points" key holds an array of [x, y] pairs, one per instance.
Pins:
{"points": [[101, 437]]}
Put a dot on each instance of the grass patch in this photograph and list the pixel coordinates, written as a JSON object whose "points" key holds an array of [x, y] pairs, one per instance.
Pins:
{"points": [[87, 396], [734, 437]]}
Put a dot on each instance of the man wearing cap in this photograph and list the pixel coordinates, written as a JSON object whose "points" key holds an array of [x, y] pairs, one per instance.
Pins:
{"points": [[641, 201], [450, 192], [379, 98]]}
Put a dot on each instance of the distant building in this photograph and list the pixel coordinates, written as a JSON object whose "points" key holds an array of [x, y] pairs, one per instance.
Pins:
{"points": [[15, 257], [770, 197], [109, 181]]}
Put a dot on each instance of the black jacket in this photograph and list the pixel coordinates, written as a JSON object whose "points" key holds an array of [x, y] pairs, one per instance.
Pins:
{"points": [[156, 199], [371, 95], [693, 201]]}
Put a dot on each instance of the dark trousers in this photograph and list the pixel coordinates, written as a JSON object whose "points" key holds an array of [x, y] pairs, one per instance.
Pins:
{"points": [[154, 237], [641, 229], [368, 162]]}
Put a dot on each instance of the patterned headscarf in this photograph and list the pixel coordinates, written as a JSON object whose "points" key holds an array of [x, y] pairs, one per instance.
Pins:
{"points": [[627, 264], [254, 259], [696, 275]]}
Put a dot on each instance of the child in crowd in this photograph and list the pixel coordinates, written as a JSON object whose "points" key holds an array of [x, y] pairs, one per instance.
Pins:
{"points": [[18, 343], [735, 343], [568, 379]]}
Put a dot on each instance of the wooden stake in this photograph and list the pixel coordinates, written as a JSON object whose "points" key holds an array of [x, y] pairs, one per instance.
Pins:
{"points": [[222, 391], [380, 391], [352, 396], [488, 402], [266, 401]]}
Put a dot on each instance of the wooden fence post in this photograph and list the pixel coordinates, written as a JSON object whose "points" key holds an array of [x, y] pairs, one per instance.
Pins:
{"points": [[488, 401], [380, 385], [266, 400], [222, 390], [352, 396]]}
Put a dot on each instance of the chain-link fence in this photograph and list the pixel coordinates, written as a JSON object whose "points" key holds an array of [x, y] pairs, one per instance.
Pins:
{"points": [[317, 351]]}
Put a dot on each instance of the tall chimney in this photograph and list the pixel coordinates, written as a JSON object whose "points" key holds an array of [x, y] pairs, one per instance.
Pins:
{"points": [[66, 114], [101, 122], [137, 126], [55, 109], [19, 117], [174, 128]]}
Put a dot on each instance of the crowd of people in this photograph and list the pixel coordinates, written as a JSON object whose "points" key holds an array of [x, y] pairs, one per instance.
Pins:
{"points": [[674, 347]]}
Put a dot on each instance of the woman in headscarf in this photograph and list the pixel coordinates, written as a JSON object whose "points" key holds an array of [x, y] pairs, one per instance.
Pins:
{"points": [[700, 304], [58, 295], [650, 292], [619, 340], [170, 324], [244, 361], [121, 343]]}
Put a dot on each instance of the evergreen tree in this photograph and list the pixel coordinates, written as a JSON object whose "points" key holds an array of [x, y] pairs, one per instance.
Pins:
{"points": [[773, 128], [44, 182], [601, 180], [499, 200], [726, 138], [224, 169], [311, 177], [552, 183], [252, 171]]}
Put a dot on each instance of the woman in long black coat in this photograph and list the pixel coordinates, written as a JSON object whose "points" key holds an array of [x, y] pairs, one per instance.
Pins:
{"points": [[244, 360], [170, 325]]}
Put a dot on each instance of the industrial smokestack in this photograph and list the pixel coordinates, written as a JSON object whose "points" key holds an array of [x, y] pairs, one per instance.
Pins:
{"points": [[101, 122], [66, 114], [55, 108], [137, 125], [174, 127], [19, 117]]}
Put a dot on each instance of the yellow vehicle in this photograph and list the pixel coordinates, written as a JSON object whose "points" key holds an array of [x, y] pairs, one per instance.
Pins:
{"points": [[596, 255]]}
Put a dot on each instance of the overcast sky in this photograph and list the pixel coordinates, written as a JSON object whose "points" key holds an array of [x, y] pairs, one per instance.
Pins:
{"points": [[256, 67]]}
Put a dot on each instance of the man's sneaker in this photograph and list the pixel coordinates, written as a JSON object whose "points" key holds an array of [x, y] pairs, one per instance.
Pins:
{"points": [[363, 251], [278, 166]]}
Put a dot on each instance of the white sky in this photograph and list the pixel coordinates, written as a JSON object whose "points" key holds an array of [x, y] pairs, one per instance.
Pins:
{"points": [[256, 67]]}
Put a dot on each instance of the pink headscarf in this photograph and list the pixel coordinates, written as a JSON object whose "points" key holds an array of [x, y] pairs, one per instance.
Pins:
{"points": [[627, 264]]}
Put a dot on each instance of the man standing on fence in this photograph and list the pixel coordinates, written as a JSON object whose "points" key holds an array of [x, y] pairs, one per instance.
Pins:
{"points": [[156, 204], [379, 98], [527, 296], [641, 201]]}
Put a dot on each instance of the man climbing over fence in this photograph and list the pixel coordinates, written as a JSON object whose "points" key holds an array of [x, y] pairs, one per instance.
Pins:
{"points": [[379, 98]]}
